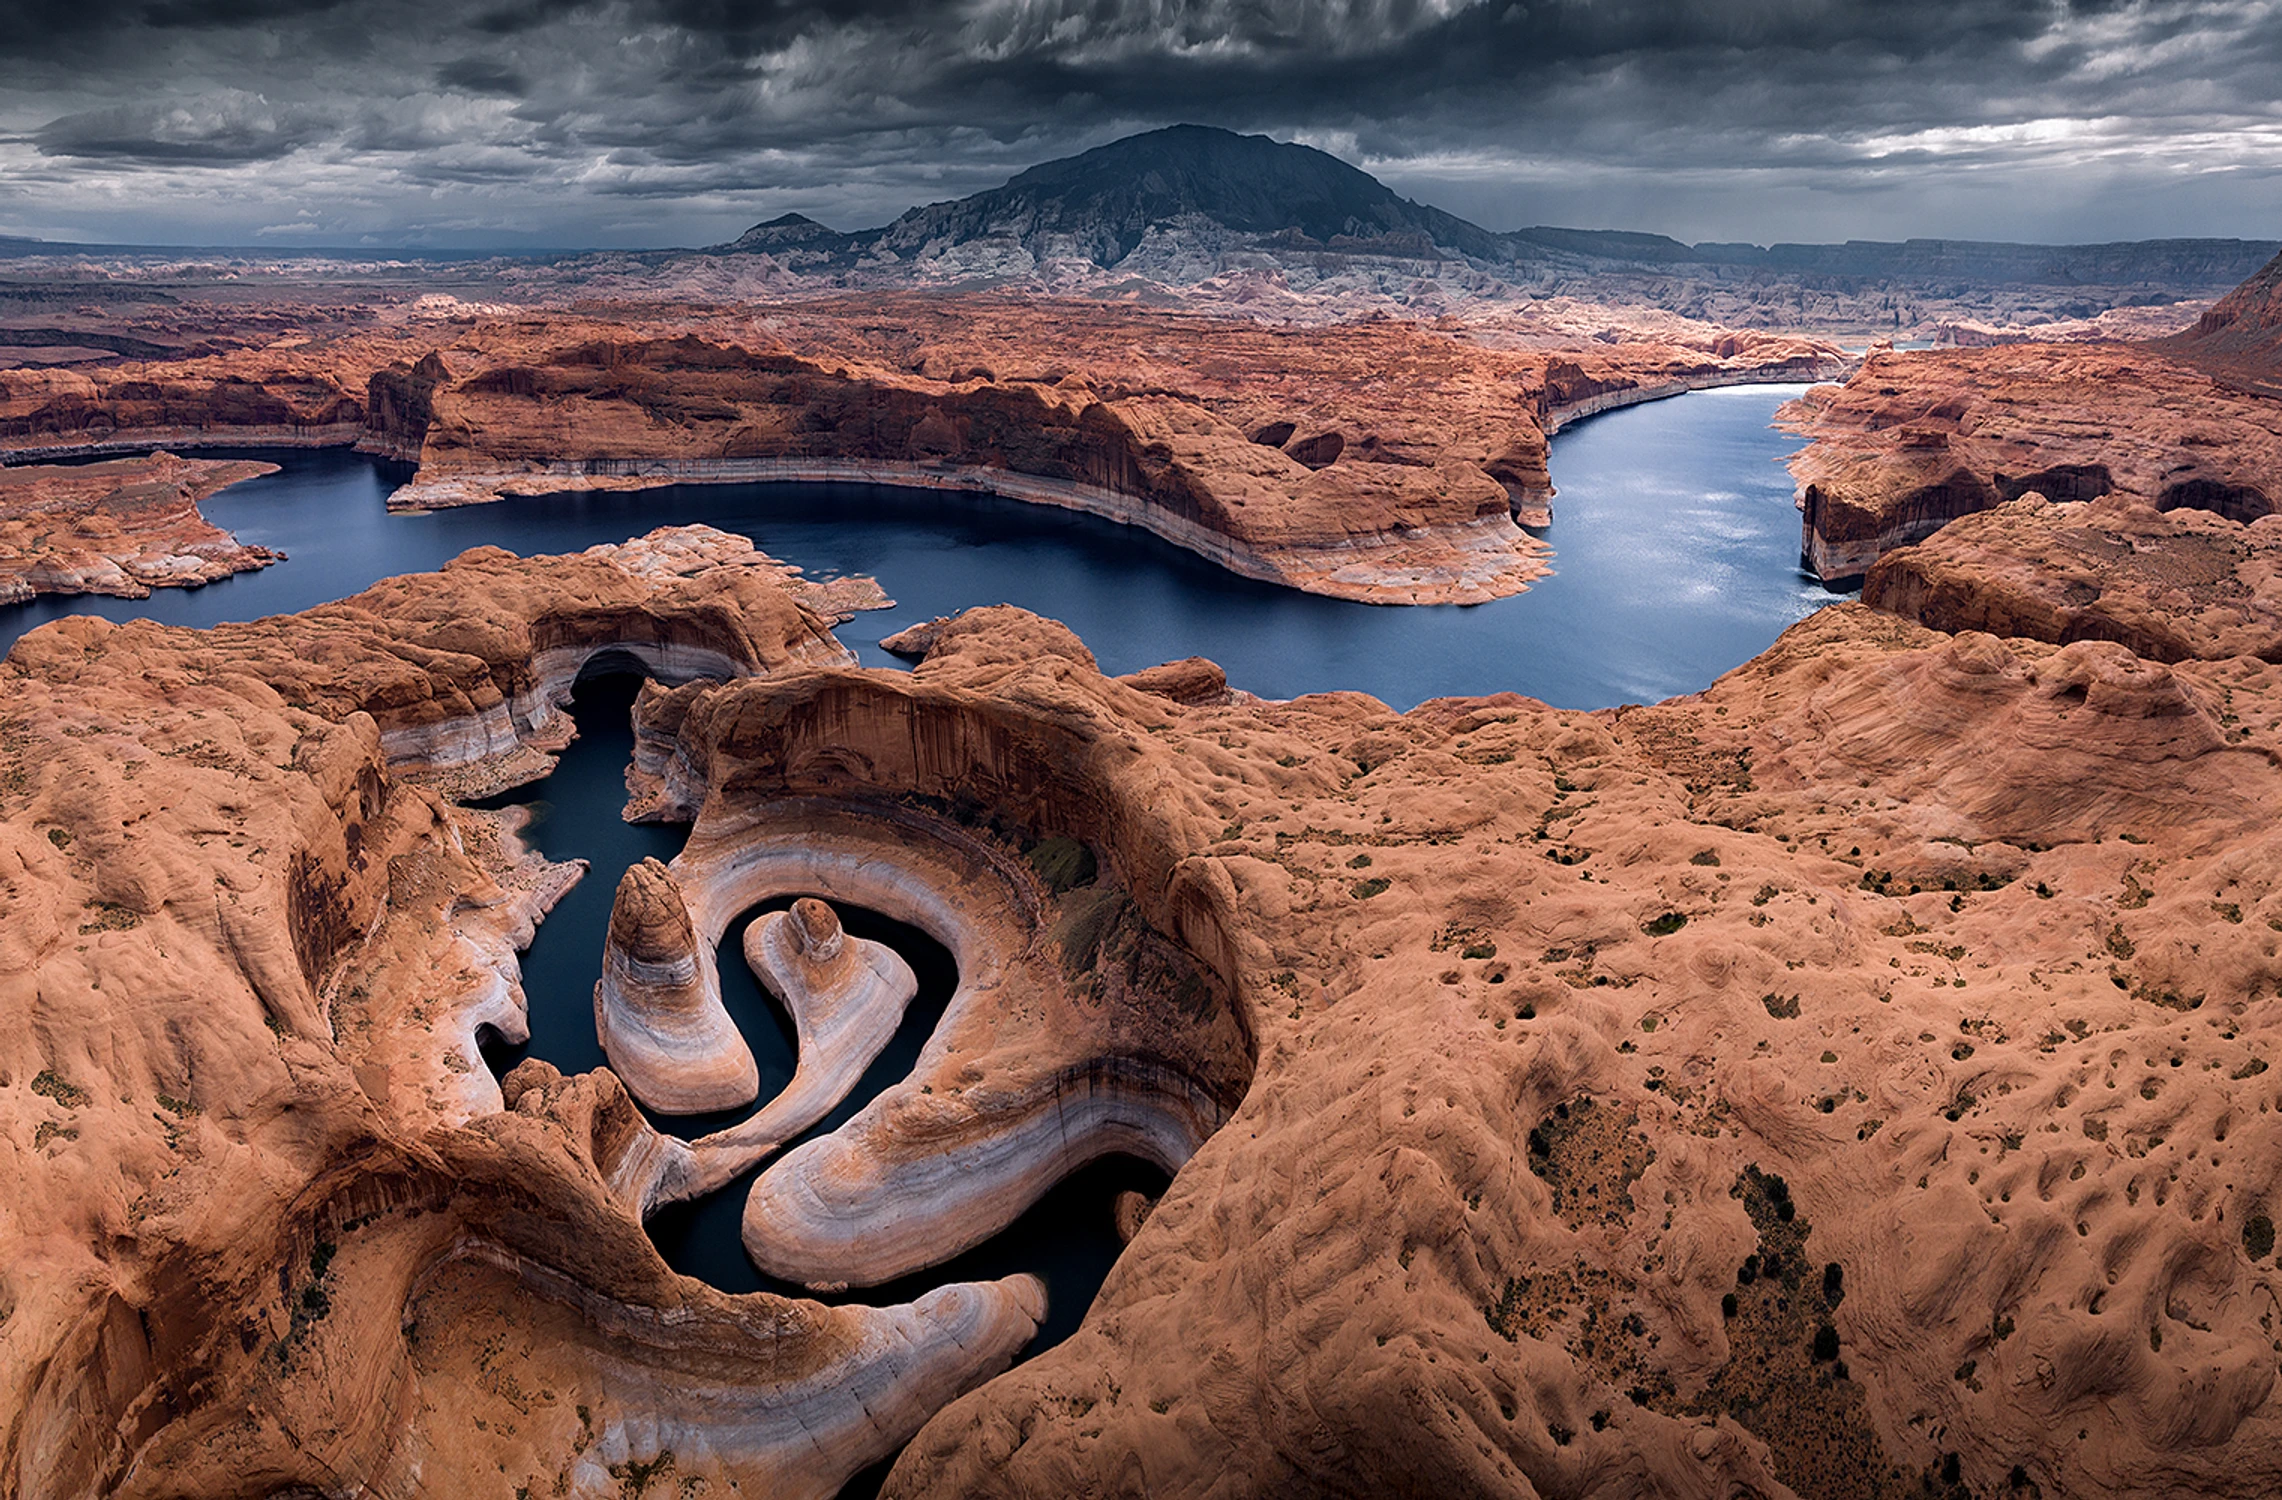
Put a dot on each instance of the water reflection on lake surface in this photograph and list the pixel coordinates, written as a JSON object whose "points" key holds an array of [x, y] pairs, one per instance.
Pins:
{"points": [[1675, 537]]}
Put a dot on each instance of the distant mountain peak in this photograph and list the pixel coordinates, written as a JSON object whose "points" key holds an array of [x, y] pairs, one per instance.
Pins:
{"points": [[1103, 202], [784, 230], [1107, 199]]}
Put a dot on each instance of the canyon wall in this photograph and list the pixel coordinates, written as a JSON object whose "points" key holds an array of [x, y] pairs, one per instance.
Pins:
{"points": [[1676, 1097], [1374, 460], [1914, 440]]}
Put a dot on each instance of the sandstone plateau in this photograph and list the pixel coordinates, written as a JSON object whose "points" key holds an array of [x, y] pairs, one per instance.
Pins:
{"points": [[2171, 585], [1393, 461], [1852, 1080], [123, 527], [1914, 440]]}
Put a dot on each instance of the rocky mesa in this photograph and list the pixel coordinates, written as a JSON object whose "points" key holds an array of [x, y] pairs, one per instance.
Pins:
{"points": [[124, 527], [1914, 440], [1381, 461]]}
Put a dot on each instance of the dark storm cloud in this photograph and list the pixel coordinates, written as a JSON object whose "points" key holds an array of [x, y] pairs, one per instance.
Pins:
{"points": [[476, 75], [684, 118], [223, 129]]}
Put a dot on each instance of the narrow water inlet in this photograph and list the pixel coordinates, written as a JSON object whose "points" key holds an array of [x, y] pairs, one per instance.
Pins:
{"points": [[1069, 1238]]}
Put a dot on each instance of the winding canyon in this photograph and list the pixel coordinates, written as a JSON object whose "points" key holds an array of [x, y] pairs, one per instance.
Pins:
{"points": [[1851, 1079]]}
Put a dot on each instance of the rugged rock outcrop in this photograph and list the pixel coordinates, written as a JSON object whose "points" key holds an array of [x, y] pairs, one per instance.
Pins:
{"points": [[657, 1007], [309, 396], [846, 996], [2240, 337], [270, 1228], [2172, 585], [1384, 462], [1914, 440], [1851, 1078], [124, 527]]}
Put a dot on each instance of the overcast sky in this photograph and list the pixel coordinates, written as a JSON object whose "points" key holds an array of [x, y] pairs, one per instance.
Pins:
{"points": [[664, 122]]}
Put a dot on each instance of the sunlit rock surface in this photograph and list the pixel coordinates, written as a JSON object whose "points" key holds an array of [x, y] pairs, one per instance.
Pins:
{"points": [[123, 527], [1852, 1077]]}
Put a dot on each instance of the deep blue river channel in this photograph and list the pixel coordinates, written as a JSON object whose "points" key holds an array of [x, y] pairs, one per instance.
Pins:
{"points": [[1676, 559]]}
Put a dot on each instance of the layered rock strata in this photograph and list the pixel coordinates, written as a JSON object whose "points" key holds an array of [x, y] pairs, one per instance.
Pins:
{"points": [[1913, 441], [1373, 459], [1384, 462], [846, 996], [273, 1228], [121, 528], [2171, 585], [310, 395], [657, 1007]]}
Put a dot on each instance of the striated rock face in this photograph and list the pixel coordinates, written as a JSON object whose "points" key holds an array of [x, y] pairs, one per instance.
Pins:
{"points": [[122, 528], [2172, 586], [1855, 1074], [1400, 454], [271, 1225], [1913, 441], [846, 996], [2240, 338], [661, 1022], [311, 396]]}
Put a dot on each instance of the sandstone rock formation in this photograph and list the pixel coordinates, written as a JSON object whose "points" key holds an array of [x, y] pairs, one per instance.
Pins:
{"points": [[124, 527], [846, 996], [271, 1229], [1914, 440], [1383, 462], [1851, 1079], [660, 1021], [1369, 459], [309, 395], [2240, 337], [1625, 1106], [2172, 585]]}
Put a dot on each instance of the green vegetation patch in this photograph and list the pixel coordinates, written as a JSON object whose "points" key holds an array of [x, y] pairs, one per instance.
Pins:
{"points": [[69, 1095], [1063, 863], [1590, 1154], [110, 916]]}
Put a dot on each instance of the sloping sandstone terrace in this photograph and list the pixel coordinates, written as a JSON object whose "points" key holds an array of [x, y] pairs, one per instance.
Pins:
{"points": [[1913, 441], [123, 527], [1853, 1076], [1378, 460]]}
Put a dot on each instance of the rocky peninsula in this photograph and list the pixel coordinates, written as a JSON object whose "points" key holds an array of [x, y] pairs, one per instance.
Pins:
{"points": [[121, 528]]}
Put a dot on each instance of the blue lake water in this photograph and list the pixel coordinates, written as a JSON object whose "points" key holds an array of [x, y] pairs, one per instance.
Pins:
{"points": [[1676, 559]]}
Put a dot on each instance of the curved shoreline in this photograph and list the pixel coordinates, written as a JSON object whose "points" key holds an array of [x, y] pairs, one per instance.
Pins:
{"points": [[1501, 559], [1473, 562], [1592, 406]]}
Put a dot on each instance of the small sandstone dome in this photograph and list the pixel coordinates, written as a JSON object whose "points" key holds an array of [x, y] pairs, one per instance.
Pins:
{"points": [[649, 921], [816, 931], [2111, 680], [1976, 653]]}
